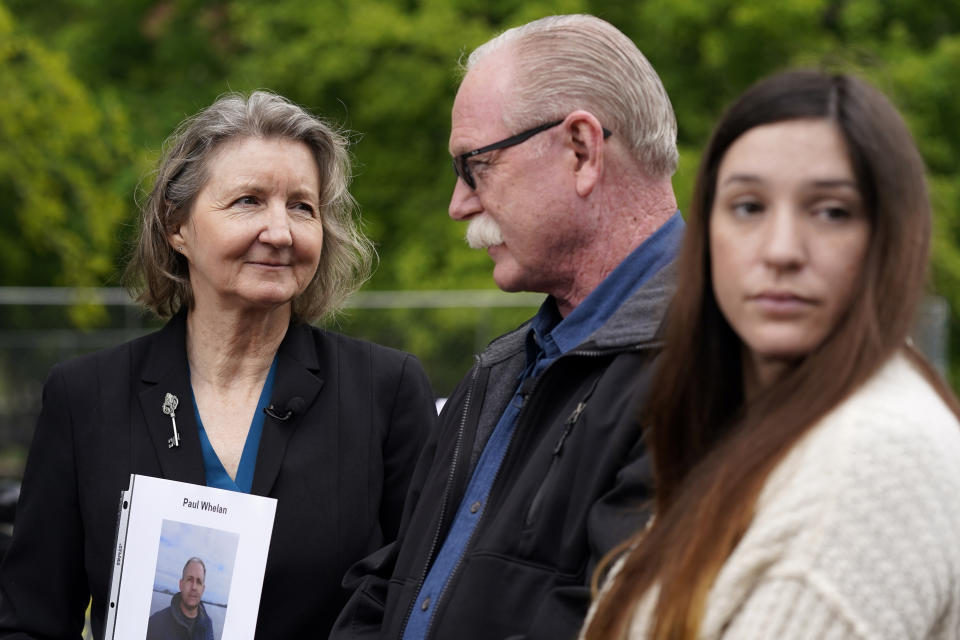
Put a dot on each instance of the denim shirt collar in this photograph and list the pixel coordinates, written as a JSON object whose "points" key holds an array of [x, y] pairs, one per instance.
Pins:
{"points": [[552, 335]]}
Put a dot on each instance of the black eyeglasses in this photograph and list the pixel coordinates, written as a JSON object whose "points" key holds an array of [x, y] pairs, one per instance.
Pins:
{"points": [[462, 168]]}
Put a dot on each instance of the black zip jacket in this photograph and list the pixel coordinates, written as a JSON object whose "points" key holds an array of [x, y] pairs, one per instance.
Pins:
{"points": [[574, 483]]}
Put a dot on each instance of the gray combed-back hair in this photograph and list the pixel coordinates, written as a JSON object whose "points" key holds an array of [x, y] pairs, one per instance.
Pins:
{"points": [[564, 63], [159, 277]]}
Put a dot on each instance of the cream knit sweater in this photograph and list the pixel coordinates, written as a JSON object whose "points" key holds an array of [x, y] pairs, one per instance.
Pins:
{"points": [[857, 532]]}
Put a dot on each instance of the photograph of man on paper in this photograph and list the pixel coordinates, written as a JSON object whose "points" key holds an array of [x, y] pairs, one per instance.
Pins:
{"points": [[191, 587]]}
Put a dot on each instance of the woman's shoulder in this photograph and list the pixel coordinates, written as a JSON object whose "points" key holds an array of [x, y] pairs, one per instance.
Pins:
{"points": [[892, 426], [342, 341], [892, 442], [900, 390], [364, 365], [328, 339], [896, 419], [107, 359], [864, 511]]}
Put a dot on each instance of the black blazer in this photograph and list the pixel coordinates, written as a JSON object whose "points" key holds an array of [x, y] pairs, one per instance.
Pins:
{"points": [[339, 469]]}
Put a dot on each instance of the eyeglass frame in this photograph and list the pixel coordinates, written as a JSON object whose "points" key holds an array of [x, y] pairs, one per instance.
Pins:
{"points": [[462, 169]]}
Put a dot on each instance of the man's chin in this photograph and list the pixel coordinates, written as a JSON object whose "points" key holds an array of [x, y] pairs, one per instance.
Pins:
{"points": [[507, 279]]}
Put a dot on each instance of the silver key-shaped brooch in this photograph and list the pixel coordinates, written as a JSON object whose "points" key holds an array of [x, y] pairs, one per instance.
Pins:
{"points": [[170, 403]]}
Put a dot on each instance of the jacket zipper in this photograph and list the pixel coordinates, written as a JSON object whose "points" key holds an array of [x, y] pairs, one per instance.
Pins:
{"points": [[496, 476], [568, 425], [446, 492]]}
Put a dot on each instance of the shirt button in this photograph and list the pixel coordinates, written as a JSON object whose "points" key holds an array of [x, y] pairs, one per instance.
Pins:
{"points": [[425, 604], [475, 507]]}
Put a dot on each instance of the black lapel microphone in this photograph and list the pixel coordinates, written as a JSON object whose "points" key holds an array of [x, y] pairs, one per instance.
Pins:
{"points": [[292, 407]]}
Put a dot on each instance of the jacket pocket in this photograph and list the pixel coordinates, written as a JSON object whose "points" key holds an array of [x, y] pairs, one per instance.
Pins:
{"points": [[549, 479]]}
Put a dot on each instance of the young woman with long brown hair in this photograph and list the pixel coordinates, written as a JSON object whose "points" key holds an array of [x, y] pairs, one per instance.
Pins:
{"points": [[806, 457]]}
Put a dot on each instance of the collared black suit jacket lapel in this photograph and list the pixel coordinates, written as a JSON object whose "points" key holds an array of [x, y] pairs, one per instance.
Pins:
{"points": [[166, 371], [296, 377]]}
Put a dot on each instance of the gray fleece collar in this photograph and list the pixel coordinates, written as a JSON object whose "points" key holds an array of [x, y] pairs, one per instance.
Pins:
{"points": [[634, 323]]}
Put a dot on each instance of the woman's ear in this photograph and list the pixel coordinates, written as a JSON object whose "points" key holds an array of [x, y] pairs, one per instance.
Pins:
{"points": [[176, 240]]}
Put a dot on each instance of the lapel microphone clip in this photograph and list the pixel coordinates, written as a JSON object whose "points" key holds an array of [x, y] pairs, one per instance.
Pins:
{"points": [[293, 406]]}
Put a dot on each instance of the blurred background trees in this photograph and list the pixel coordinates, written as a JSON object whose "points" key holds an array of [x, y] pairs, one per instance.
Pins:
{"points": [[89, 89]]}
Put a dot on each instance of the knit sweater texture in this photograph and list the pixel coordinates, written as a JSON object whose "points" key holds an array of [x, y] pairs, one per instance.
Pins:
{"points": [[856, 533]]}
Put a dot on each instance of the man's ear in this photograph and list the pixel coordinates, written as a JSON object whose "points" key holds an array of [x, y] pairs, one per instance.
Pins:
{"points": [[586, 140]]}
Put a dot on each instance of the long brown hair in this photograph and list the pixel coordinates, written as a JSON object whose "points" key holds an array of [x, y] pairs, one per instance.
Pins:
{"points": [[712, 450]]}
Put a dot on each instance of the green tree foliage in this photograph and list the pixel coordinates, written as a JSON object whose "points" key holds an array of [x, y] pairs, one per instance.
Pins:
{"points": [[64, 168], [85, 112], [61, 169]]}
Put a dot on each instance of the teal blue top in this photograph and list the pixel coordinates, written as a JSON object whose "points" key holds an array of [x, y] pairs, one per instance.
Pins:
{"points": [[217, 476]]}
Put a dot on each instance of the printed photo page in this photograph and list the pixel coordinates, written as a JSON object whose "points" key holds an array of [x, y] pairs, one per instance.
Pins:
{"points": [[187, 555]]}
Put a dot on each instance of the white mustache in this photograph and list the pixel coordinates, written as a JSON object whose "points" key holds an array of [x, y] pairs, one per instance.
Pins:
{"points": [[483, 232]]}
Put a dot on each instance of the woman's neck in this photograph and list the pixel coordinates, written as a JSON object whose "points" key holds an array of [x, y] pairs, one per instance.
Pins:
{"points": [[225, 348], [760, 372]]}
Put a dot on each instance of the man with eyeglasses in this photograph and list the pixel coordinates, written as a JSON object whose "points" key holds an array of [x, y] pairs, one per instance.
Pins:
{"points": [[563, 142]]}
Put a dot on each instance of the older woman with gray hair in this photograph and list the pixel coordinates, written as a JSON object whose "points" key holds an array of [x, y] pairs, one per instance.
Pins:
{"points": [[247, 237]]}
